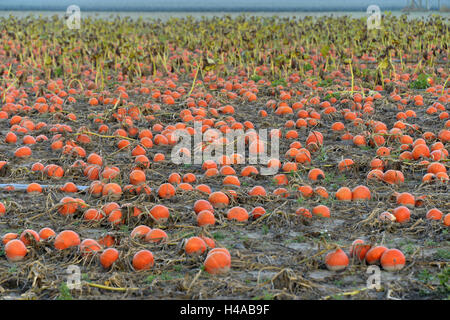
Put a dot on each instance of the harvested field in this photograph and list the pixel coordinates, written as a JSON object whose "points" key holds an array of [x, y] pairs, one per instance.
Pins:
{"points": [[98, 108]]}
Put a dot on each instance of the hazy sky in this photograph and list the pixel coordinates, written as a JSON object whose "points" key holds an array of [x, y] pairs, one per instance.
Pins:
{"points": [[138, 5]]}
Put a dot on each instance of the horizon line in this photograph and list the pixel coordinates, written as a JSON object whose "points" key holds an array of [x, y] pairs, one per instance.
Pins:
{"points": [[210, 10]]}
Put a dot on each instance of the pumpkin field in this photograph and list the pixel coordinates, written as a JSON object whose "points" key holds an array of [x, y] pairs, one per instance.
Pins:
{"points": [[356, 204]]}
